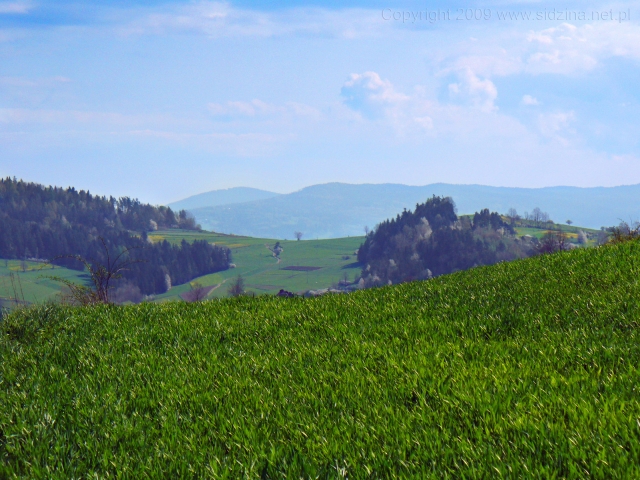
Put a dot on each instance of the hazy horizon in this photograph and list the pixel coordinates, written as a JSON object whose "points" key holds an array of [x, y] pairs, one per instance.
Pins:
{"points": [[393, 183]]}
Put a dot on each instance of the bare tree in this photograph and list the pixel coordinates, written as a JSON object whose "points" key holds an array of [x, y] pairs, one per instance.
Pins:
{"points": [[625, 232], [237, 287], [536, 215], [553, 242], [298, 235], [18, 293], [102, 278], [366, 230], [198, 292], [513, 215]]}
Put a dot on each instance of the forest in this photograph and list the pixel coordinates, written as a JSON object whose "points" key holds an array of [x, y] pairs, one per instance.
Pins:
{"points": [[433, 240], [57, 225]]}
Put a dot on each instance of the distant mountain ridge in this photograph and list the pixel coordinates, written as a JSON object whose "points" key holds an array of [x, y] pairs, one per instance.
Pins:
{"points": [[338, 210], [222, 197]]}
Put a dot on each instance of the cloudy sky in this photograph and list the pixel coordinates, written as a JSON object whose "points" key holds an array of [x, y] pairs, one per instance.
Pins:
{"points": [[161, 100]]}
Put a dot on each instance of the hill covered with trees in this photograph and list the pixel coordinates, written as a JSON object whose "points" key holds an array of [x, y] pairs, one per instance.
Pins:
{"points": [[432, 240], [54, 224]]}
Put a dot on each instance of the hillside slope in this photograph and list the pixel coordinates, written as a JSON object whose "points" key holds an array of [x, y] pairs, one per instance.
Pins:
{"points": [[339, 210], [329, 261], [64, 225], [522, 369]]}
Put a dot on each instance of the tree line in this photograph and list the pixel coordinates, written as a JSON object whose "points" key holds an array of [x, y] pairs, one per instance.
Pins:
{"points": [[55, 224]]}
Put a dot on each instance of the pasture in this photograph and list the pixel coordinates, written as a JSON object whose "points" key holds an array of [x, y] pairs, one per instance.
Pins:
{"points": [[261, 271], [27, 283]]}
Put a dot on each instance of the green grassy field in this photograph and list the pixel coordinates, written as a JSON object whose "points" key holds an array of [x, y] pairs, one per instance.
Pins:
{"points": [[32, 286], [570, 231], [256, 264], [527, 369], [260, 270]]}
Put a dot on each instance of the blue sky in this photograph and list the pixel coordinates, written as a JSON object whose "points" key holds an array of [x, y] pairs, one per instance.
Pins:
{"points": [[161, 100]]}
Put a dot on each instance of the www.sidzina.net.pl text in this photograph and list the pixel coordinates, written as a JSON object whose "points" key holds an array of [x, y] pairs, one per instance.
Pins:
{"points": [[479, 14]]}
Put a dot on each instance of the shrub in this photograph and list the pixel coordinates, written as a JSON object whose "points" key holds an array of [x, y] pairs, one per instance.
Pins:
{"points": [[625, 232]]}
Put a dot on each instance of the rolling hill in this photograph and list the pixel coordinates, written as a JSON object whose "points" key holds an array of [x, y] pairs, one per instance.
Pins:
{"points": [[339, 210], [327, 260], [527, 369], [222, 197]]}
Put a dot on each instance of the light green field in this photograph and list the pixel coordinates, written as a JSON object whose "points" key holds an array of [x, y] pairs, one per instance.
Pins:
{"points": [[257, 265], [570, 231], [534, 232], [260, 269], [524, 369], [32, 286]]}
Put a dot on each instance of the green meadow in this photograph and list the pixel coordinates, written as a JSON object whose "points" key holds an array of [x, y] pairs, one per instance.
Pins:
{"points": [[33, 285], [254, 261], [527, 369], [261, 271]]}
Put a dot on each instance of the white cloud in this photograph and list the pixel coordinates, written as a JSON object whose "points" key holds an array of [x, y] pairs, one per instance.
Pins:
{"points": [[479, 92], [415, 116], [529, 101], [373, 87], [15, 7], [567, 48], [556, 125], [220, 19], [564, 49], [373, 97]]}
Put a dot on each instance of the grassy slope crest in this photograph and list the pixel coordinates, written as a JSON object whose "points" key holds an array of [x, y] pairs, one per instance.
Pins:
{"points": [[527, 368]]}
